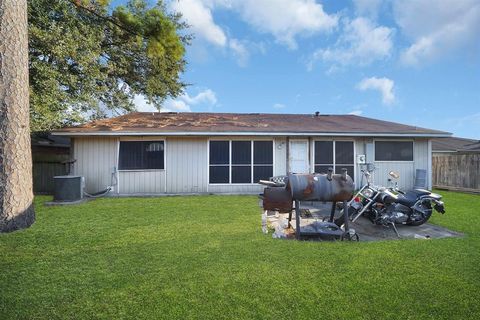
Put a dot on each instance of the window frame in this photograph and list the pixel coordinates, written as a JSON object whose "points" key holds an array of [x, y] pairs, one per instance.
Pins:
{"points": [[334, 164], [133, 139], [252, 165], [393, 140]]}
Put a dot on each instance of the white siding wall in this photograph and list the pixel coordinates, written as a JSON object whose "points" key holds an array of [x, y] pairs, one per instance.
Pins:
{"points": [[232, 188], [187, 165], [422, 158], [137, 182], [96, 159], [360, 148], [280, 168], [406, 169]]}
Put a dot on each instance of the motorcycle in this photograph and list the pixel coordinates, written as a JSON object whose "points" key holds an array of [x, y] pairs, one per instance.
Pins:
{"points": [[391, 206]]}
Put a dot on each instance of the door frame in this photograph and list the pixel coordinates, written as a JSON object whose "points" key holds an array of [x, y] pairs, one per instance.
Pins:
{"points": [[307, 154]]}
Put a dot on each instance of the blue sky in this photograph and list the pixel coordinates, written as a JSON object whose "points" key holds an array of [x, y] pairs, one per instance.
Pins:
{"points": [[415, 62]]}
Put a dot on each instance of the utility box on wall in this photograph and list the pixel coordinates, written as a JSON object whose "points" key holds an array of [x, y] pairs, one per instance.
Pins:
{"points": [[68, 188]]}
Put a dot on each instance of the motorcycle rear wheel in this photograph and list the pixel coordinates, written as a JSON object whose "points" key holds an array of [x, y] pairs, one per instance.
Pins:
{"points": [[419, 222]]}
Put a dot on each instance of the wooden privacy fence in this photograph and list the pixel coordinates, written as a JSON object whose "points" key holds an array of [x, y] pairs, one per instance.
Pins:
{"points": [[459, 171], [43, 173]]}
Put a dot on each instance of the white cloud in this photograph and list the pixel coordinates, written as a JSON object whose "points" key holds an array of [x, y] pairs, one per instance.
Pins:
{"points": [[361, 42], [279, 106], [184, 103], [207, 97], [142, 104], [368, 8], [240, 51], [175, 106], [199, 16], [356, 112], [383, 85], [437, 28], [285, 19]]}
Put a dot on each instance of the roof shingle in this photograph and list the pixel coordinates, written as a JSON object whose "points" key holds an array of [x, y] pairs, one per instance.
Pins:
{"points": [[205, 123]]}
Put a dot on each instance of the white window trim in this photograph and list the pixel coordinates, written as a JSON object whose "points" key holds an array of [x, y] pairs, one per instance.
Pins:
{"points": [[230, 139], [354, 164], [394, 140], [140, 139]]}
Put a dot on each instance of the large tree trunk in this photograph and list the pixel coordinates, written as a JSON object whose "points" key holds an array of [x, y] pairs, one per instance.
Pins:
{"points": [[16, 196]]}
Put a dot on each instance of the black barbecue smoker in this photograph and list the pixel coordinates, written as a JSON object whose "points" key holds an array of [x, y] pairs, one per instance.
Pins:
{"points": [[330, 187]]}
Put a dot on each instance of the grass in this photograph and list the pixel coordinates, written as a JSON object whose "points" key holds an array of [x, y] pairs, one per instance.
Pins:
{"points": [[205, 257]]}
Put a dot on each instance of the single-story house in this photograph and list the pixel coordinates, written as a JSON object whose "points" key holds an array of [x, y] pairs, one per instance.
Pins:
{"points": [[452, 145], [173, 153]]}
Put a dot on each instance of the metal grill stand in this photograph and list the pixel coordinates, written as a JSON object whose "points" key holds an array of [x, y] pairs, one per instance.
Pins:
{"points": [[326, 229]]}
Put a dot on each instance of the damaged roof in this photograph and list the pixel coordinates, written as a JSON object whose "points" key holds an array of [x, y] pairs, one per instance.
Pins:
{"points": [[191, 123]]}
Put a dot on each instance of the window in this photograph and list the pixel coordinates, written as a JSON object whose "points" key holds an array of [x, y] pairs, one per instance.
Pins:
{"points": [[141, 155], [334, 154], [219, 161], [241, 161], [262, 160], [393, 150]]}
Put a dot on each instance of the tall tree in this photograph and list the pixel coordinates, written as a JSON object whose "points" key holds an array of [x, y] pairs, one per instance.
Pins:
{"points": [[88, 60], [16, 196]]}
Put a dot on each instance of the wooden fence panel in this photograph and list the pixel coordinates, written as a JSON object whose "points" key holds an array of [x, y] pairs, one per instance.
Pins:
{"points": [[43, 173], [461, 171]]}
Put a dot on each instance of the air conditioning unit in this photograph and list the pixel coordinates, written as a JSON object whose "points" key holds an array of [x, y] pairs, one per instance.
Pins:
{"points": [[68, 188]]}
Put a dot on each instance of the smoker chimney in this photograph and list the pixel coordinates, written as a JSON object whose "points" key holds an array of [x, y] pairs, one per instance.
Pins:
{"points": [[329, 174]]}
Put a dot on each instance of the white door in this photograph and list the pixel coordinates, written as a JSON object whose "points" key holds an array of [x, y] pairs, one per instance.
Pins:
{"points": [[298, 160]]}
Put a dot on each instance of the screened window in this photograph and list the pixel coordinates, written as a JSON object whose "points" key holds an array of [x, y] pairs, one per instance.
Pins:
{"points": [[219, 162], [262, 160], [334, 154], [141, 155], [239, 162], [393, 150]]}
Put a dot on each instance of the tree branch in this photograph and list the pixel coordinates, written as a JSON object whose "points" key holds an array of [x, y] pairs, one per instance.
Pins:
{"points": [[77, 4]]}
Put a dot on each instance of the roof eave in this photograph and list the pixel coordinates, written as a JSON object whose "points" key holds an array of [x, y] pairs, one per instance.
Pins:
{"points": [[244, 133]]}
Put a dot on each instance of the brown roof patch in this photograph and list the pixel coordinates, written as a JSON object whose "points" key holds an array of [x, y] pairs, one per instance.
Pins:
{"points": [[169, 122]]}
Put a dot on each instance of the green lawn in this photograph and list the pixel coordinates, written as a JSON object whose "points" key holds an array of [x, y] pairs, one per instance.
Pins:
{"points": [[205, 257]]}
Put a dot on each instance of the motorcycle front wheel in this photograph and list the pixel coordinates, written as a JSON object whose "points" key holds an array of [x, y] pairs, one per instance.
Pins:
{"points": [[340, 221]]}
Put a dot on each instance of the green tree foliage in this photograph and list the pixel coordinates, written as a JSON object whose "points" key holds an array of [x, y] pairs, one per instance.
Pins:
{"points": [[88, 60]]}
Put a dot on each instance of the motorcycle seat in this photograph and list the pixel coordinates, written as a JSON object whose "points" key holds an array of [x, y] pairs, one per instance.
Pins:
{"points": [[408, 199], [411, 196]]}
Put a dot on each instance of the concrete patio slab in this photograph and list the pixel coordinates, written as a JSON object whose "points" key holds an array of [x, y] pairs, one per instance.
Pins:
{"points": [[315, 213]]}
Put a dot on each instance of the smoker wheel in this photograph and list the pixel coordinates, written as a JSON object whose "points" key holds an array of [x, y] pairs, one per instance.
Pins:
{"points": [[346, 236]]}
